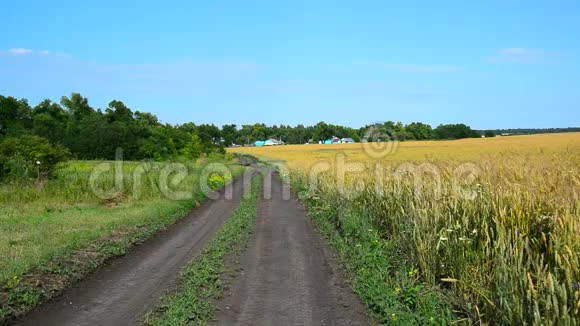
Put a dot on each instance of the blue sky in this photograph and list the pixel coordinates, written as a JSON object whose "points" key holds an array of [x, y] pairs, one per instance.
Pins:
{"points": [[490, 64]]}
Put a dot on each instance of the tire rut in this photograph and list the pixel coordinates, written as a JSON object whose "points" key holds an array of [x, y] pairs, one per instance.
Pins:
{"points": [[122, 292], [289, 276]]}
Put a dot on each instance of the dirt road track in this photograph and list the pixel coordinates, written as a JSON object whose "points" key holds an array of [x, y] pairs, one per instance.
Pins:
{"points": [[289, 276], [122, 292]]}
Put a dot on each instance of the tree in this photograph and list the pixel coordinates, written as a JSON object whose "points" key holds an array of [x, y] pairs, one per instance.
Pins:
{"points": [[49, 121], [259, 131], [118, 111], [229, 134], [96, 134], [455, 131], [420, 131], [489, 134], [193, 149], [15, 116], [146, 119], [77, 105], [322, 131], [23, 156]]}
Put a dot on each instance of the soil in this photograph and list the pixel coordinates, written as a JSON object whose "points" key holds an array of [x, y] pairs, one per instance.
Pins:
{"points": [[288, 274], [122, 292]]}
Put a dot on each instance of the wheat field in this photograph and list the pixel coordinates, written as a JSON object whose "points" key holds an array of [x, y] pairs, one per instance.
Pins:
{"points": [[493, 222]]}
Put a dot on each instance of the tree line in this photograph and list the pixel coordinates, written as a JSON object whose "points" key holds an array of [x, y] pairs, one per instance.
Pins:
{"points": [[300, 134], [90, 133], [532, 131], [52, 132], [34, 139]]}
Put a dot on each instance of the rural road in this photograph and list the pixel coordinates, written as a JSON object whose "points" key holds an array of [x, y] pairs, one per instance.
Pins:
{"points": [[122, 292], [288, 274]]}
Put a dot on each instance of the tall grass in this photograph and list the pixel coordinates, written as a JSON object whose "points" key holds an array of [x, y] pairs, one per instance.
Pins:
{"points": [[506, 244], [72, 185], [40, 222]]}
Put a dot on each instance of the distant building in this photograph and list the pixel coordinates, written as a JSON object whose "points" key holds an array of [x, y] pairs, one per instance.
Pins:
{"points": [[269, 142], [334, 140], [273, 142]]}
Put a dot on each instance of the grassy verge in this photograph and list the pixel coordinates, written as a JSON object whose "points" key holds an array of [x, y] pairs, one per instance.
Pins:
{"points": [[378, 272], [54, 234], [202, 282], [491, 223]]}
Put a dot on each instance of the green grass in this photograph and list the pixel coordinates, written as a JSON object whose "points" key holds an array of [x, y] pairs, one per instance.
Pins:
{"points": [[491, 223], [203, 281], [57, 232], [389, 285], [507, 256]]}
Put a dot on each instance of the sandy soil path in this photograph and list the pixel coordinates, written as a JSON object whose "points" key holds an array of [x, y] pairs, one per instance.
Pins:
{"points": [[289, 276]]}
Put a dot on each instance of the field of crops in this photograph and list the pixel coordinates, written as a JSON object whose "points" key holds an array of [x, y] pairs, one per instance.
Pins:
{"points": [[55, 230], [493, 221]]}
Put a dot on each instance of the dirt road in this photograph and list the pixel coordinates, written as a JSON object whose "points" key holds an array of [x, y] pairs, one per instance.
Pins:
{"points": [[289, 276], [122, 292]]}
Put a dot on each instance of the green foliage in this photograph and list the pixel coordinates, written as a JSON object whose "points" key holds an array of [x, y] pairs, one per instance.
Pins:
{"points": [[96, 134], [489, 134], [229, 133], [420, 131], [383, 278], [43, 230], [14, 116], [216, 182], [26, 156], [455, 131], [193, 149], [93, 134], [52, 245]]}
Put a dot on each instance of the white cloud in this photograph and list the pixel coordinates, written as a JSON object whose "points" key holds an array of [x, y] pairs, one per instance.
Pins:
{"points": [[19, 51], [419, 69], [524, 56]]}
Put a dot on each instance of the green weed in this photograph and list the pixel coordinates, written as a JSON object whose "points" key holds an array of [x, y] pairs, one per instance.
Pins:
{"points": [[202, 282], [57, 232]]}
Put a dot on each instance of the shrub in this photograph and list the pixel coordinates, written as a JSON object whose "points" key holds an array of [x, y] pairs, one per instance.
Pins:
{"points": [[26, 156], [216, 182]]}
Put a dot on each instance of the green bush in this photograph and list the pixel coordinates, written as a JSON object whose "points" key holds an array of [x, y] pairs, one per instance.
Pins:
{"points": [[27, 156], [216, 182]]}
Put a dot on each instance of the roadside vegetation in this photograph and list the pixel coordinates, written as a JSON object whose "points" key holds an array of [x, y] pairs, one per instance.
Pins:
{"points": [[203, 281], [57, 231], [60, 219], [472, 231], [508, 252]]}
